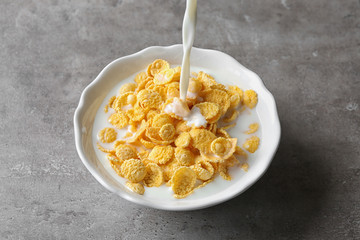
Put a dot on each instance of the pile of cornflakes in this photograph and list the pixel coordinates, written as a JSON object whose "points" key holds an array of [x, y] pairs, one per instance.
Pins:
{"points": [[160, 147]]}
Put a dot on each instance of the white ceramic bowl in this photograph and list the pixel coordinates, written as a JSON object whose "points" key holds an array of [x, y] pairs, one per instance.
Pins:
{"points": [[94, 94]]}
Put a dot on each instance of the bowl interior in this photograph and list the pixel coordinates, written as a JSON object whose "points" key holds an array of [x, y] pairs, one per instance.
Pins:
{"points": [[217, 63]]}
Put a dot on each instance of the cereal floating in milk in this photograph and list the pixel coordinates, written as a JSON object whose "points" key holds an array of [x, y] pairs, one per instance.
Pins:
{"points": [[183, 144], [107, 135], [252, 144], [250, 98], [136, 187], [252, 128]]}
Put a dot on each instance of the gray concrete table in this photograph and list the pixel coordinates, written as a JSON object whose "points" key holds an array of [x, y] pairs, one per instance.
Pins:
{"points": [[306, 52]]}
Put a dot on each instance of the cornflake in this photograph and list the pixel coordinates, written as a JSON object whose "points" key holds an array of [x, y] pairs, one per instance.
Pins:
{"points": [[252, 144], [183, 181], [161, 154], [136, 187], [107, 135], [160, 147], [133, 170]]}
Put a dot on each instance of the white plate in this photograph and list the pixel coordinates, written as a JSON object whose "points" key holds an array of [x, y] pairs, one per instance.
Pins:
{"points": [[216, 63]]}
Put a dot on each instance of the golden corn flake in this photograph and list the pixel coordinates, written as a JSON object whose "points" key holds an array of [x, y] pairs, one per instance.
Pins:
{"points": [[107, 135], [217, 96], [157, 66], [127, 87], [140, 77], [252, 128], [149, 99], [161, 154], [220, 146], [154, 175], [161, 119], [232, 116], [117, 167], [236, 96], [172, 92], [201, 139], [203, 169], [245, 167], [250, 98], [183, 181], [184, 156], [240, 152], [119, 120], [133, 170], [209, 110], [222, 133], [229, 126], [143, 155], [181, 127], [146, 143], [183, 140], [167, 132], [194, 86], [106, 108], [252, 144], [136, 187], [224, 171], [122, 101], [164, 76], [125, 152], [104, 150], [136, 114], [169, 169]]}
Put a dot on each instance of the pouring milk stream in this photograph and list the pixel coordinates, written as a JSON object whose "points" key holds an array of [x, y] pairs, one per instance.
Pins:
{"points": [[188, 34], [179, 106]]}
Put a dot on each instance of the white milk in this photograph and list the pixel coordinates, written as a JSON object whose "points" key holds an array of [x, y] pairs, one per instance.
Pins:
{"points": [[188, 34]]}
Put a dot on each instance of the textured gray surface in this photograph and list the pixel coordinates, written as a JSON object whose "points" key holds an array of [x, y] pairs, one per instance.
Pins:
{"points": [[306, 52]]}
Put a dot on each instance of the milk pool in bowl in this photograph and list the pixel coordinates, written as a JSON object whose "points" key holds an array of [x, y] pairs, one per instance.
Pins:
{"points": [[247, 117]]}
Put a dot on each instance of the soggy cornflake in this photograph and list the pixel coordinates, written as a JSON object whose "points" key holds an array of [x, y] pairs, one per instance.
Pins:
{"points": [[154, 175], [136, 187], [252, 128], [211, 111], [161, 154], [250, 98], [252, 144], [133, 170], [119, 120], [159, 146], [183, 181], [107, 135]]}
